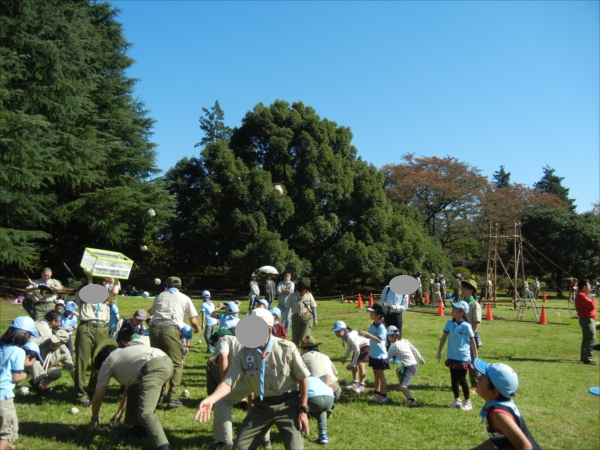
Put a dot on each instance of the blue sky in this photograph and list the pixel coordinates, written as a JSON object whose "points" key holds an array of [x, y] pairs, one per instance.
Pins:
{"points": [[490, 83]]}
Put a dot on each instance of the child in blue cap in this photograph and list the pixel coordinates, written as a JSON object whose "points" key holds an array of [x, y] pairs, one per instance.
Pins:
{"points": [[497, 384], [68, 322], [460, 338], [13, 362]]}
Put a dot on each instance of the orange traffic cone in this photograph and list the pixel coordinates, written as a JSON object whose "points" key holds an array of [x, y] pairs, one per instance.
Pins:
{"points": [[543, 316], [370, 300], [440, 308], [359, 306], [488, 313], [544, 298], [427, 298]]}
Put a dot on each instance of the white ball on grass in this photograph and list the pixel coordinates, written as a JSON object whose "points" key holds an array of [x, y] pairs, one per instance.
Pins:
{"points": [[145, 294], [74, 411]]}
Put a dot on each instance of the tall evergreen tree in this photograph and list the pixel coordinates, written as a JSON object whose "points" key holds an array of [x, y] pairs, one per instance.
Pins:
{"points": [[213, 126], [553, 184], [501, 178], [77, 160]]}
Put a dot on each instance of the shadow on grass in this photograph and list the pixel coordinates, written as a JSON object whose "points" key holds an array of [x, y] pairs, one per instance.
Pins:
{"points": [[559, 361]]}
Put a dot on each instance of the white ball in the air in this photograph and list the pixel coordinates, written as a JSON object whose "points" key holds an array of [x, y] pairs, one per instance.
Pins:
{"points": [[74, 411], [277, 190], [157, 281], [151, 212], [144, 248]]}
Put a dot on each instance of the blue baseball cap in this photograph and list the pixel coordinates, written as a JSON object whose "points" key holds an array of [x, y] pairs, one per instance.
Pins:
{"points": [[33, 347], [232, 308], [339, 325], [70, 306], [25, 323], [205, 294], [262, 301], [186, 330], [503, 377], [275, 312], [461, 305]]}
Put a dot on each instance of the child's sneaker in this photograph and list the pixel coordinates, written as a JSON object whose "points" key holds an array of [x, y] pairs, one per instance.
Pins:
{"points": [[411, 402], [467, 406], [352, 386], [381, 399], [323, 439], [456, 403]]}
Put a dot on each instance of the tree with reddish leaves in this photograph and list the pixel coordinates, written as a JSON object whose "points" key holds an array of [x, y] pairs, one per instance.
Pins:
{"points": [[445, 191]]}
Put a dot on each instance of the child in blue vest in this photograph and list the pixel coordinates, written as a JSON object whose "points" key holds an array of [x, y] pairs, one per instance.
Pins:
{"points": [[460, 338], [378, 358], [497, 384], [13, 362], [68, 322]]}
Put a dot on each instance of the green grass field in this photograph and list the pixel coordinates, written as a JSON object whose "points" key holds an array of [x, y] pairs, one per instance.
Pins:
{"points": [[552, 395]]}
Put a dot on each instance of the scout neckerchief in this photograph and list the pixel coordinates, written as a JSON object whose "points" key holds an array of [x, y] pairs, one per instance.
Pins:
{"points": [[344, 338], [263, 356], [97, 309], [172, 290], [471, 299]]}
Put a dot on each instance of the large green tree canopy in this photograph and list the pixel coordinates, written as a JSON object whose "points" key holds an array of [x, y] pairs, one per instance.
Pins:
{"points": [[333, 224], [76, 157]]}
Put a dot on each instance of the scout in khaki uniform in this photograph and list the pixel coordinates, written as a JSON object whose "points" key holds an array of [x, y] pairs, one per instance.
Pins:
{"points": [[170, 308], [278, 378], [92, 329], [55, 356], [319, 365], [45, 328], [41, 295], [228, 346], [136, 364], [304, 312]]}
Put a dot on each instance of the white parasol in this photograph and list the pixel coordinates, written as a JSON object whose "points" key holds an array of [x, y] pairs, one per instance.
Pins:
{"points": [[268, 270]]}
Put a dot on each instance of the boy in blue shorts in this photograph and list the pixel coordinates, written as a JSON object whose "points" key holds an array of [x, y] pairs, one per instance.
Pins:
{"points": [[497, 384]]}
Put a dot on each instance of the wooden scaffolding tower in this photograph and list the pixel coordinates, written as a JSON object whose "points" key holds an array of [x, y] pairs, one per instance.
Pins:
{"points": [[496, 242]]}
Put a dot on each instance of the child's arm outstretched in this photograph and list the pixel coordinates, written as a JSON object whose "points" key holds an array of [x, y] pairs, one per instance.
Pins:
{"points": [[509, 428], [417, 354], [474, 347], [442, 343]]}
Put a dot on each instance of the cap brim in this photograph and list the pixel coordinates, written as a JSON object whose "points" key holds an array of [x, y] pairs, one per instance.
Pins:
{"points": [[370, 309], [481, 366], [457, 305], [336, 329], [37, 355]]}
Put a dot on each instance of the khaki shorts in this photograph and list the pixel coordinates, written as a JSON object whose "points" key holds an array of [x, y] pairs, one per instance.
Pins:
{"points": [[9, 425]]}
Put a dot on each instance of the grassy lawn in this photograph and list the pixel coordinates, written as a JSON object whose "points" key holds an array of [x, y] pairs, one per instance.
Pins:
{"points": [[552, 395]]}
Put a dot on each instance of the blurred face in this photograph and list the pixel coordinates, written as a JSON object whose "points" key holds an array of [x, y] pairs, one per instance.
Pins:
{"points": [[340, 333], [287, 277], [374, 316], [260, 305], [46, 275], [136, 322], [465, 292], [54, 323], [458, 313], [110, 280], [483, 388], [393, 337]]}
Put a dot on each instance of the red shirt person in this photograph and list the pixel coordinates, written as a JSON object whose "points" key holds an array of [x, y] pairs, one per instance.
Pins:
{"points": [[586, 310]]}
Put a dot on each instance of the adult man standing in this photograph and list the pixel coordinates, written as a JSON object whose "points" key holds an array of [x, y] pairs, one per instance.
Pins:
{"points": [[536, 287], [170, 308], [284, 289], [431, 283], [586, 310], [278, 378], [394, 305], [41, 295], [92, 330], [456, 287], [141, 366], [419, 293], [270, 290], [127, 327]]}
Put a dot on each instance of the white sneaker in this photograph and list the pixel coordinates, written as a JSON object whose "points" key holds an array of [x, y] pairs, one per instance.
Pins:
{"points": [[411, 403], [467, 406], [456, 403], [352, 386]]}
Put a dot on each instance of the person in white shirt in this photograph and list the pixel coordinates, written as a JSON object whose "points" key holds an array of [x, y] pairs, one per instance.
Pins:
{"points": [[394, 305], [402, 352], [253, 294], [284, 289], [360, 346]]}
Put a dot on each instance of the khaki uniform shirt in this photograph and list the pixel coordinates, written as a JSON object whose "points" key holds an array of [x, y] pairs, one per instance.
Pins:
{"points": [[61, 354], [474, 314], [126, 363], [171, 308], [319, 365], [301, 305], [283, 369], [44, 330], [35, 295], [228, 346], [87, 311]]}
